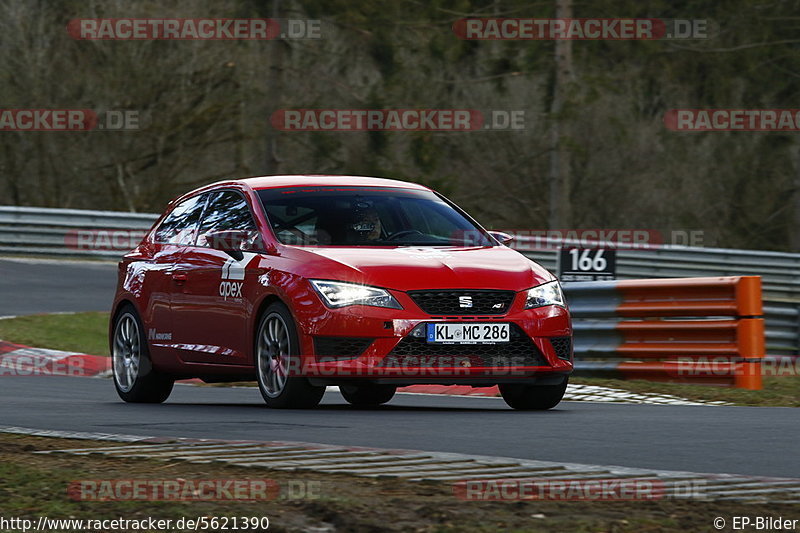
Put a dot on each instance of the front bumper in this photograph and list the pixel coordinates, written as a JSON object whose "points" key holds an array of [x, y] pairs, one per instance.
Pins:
{"points": [[380, 345]]}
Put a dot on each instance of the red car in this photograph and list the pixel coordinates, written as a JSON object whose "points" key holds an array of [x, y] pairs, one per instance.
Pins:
{"points": [[299, 282]]}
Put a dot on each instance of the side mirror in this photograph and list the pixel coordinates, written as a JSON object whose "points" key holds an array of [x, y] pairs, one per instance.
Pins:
{"points": [[502, 238], [232, 242]]}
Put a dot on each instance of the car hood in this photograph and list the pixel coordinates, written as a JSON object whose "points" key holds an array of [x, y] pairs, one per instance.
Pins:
{"points": [[410, 268]]}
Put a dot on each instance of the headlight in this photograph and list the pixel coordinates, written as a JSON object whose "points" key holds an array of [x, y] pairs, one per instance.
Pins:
{"points": [[545, 294], [340, 294]]}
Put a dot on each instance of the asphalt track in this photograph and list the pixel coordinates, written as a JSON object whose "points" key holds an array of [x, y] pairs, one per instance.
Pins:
{"points": [[741, 440], [53, 286]]}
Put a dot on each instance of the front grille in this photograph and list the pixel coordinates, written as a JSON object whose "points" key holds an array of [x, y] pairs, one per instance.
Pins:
{"points": [[562, 347], [463, 302], [416, 352], [334, 348]]}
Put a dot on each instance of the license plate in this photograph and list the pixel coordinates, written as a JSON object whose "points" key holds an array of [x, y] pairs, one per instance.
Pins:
{"points": [[478, 333]]}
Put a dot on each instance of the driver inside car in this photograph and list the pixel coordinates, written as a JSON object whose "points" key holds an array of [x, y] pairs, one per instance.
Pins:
{"points": [[367, 225]]}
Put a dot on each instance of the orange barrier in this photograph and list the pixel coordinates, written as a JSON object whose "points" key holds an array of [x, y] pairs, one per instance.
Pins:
{"points": [[738, 296], [694, 330]]}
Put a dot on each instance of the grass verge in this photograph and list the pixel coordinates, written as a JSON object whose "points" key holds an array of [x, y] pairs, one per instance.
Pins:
{"points": [[72, 332], [32, 485], [87, 333]]}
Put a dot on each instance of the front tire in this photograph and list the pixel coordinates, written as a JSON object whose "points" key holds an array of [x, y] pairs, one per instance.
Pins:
{"points": [[135, 378], [277, 354], [533, 397], [367, 394]]}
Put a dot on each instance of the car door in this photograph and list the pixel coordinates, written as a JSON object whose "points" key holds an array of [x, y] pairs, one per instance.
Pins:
{"points": [[210, 312], [163, 275]]}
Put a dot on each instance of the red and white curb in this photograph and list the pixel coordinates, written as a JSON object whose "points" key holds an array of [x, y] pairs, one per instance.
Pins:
{"points": [[19, 360], [416, 465], [575, 393]]}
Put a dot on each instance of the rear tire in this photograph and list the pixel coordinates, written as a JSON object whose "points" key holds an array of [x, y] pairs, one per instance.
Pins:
{"points": [[135, 378], [533, 397], [368, 394], [277, 356]]}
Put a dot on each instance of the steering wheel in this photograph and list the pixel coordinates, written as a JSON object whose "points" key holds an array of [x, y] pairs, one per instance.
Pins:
{"points": [[403, 233]]}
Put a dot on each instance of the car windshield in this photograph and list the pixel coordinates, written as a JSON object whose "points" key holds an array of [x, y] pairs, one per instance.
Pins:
{"points": [[367, 216]]}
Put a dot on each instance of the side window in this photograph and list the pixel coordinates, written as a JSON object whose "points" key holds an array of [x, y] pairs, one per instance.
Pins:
{"points": [[180, 226], [227, 210]]}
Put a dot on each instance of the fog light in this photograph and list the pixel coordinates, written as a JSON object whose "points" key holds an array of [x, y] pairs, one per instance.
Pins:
{"points": [[419, 331]]}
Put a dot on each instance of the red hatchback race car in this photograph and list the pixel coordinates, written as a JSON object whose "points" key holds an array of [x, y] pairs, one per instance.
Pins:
{"points": [[299, 282]]}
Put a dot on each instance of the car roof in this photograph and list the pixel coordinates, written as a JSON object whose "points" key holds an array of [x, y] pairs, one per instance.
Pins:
{"points": [[269, 182]]}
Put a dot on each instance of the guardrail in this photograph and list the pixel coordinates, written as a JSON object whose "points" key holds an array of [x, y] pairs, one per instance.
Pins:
{"points": [[779, 271], [70, 232], [698, 330]]}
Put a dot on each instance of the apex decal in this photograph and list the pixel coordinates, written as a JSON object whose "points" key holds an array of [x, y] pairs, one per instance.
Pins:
{"points": [[230, 289], [234, 270]]}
